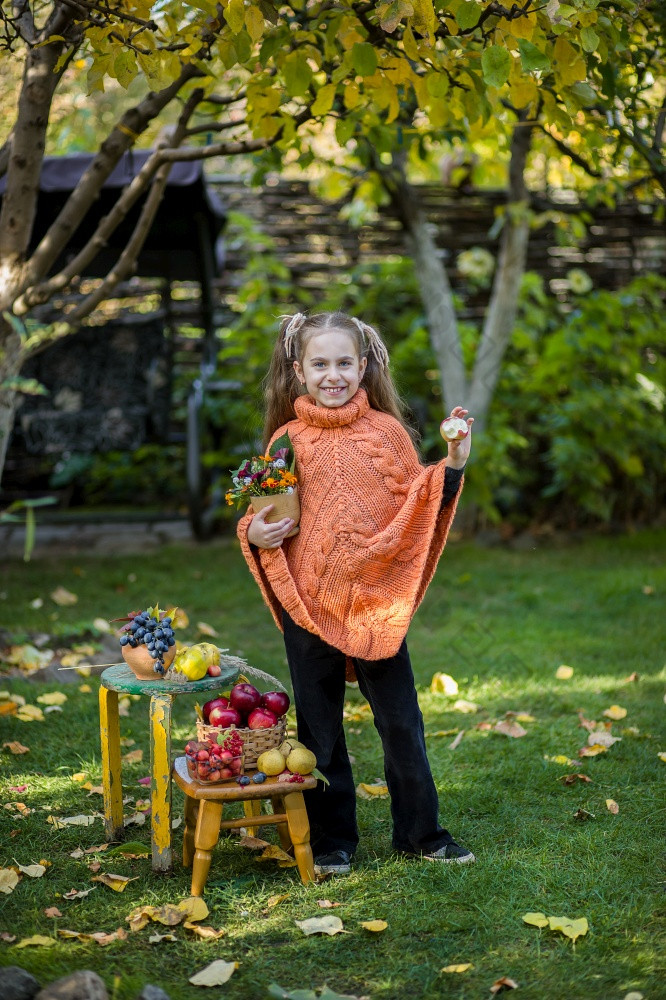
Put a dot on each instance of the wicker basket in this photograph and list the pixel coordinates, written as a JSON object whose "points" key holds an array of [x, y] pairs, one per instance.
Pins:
{"points": [[255, 741]]}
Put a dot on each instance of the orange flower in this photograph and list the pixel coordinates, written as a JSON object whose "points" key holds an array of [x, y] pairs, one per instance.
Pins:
{"points": [[271, 483]]}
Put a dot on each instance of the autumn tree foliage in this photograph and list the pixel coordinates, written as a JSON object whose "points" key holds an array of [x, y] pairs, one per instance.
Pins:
{"points": [[255, 74]]}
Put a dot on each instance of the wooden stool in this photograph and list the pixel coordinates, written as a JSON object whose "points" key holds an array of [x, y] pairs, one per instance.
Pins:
{"points": [[203, 818], [119, 679]]}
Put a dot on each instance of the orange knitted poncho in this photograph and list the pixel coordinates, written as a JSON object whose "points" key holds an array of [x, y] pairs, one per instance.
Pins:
{"points": [[371, 531]]}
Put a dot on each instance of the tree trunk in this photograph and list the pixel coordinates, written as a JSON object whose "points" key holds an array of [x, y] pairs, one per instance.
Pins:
{"points": [[11, 359], [501, 313], [435, 290]]}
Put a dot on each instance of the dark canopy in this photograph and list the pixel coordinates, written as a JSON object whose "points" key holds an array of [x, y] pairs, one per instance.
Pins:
{"points": [[184, 234]]}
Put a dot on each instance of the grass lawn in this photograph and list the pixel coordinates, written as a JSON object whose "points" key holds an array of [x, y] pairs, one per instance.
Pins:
{"points": [[500, 622]]}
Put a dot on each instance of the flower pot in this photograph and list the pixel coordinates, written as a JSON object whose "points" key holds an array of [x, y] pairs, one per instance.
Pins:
{"points": [[284, 505], [141, 663]]}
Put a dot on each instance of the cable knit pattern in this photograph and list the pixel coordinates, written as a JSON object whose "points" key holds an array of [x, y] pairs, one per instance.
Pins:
{"points": [[371, 530]]}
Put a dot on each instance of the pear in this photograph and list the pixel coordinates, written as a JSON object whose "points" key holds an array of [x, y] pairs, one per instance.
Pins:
{"points": [[192, 662], [288, 745], [271, 762], [301, 761]]}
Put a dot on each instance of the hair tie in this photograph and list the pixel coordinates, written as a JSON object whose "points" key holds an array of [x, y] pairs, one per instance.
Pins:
{"points": [[291, 329], [375, 342]]}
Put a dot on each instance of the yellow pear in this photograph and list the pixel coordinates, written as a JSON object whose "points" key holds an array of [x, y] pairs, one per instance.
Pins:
{"points": [[301, 761], [288, 745], [271, 762], [191, 662]]}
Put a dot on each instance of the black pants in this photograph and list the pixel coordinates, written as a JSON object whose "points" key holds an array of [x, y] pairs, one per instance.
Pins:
{"points": [[318, 679]]}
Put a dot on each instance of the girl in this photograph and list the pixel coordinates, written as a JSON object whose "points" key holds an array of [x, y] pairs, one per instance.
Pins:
{"points": [[343, 590]]}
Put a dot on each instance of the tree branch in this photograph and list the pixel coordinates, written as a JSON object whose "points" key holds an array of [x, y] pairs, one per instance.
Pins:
{"points": [[25, 22], [573, 156], [127, 260]]}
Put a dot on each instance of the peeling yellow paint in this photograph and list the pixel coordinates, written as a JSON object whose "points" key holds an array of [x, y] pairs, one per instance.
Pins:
{"points": [[111, 776], [160, 720]]}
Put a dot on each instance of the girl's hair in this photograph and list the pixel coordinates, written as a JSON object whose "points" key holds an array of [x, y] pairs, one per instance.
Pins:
{"points": [[281, 386]]}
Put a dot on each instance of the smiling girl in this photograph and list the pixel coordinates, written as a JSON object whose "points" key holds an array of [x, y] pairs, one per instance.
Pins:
{"points": [[343, 591]]}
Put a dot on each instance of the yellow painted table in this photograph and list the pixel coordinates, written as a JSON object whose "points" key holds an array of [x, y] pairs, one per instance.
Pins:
{"points": [[119, 679]]}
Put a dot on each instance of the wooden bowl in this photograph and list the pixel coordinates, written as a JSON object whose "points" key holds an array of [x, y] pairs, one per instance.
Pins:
{"points": [[141, 663]]}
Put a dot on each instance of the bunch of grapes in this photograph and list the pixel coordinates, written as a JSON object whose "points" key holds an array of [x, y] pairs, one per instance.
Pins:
{"points": [[156, 635]]}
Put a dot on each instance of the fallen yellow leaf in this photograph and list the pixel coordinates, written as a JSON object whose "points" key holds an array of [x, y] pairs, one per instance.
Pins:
{"points": [[206, 629], [466, 707], [570, 928], [615, 712], [513, 729], [194, 908], [63, 597], [662, 756], [85, 688], [30, 713], [33, 871], [15, 747], [564, 672], [376, 926], [592, 751], [52, 911], [8, 880], [59, 822], [275, 853], [80, 894], [36, 941], [54, 698], [215, 974], [116, 882], [326, 904], [320, 925], [462, 967], [536, 919], [443, 684], [377, 791], [612, 806], [207, 933], [156, 938], [276, 899], [133, 757], [503, 984]]}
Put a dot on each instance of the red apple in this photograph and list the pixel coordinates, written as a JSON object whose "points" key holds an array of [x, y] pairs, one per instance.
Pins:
{"points": [[261, 718], [214, 776], [224, 717], [214, 670], [203, 755], [226, 772], [276, 702], [244, 697], [219, 702]]}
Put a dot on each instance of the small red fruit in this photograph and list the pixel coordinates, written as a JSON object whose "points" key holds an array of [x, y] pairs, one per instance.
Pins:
{"points": [[203, 755], [235, 765], [276, 702], [214, 775], [261, 718], [214, 670], [226, 772]]}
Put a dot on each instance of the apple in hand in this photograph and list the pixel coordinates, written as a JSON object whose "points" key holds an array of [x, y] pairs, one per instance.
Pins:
{"points": [[276, 702], [244, 697], [454, 429], [219, 702], [224, 717], [261, 718]]}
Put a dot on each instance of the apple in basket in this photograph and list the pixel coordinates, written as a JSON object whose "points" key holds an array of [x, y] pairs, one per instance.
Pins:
{"points": [[244, 697], [219, 702], [276, 702], [224, 717], [261, 718]]}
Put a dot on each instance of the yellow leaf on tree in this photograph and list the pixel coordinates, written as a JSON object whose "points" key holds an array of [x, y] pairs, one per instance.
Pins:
{"points": [[365, 791], [443, 684], [36, 941], [536, 919], [615, 712], [54, 698], [462, 967], [215, 974], [564, 673], [376, 926], [612, 806]]}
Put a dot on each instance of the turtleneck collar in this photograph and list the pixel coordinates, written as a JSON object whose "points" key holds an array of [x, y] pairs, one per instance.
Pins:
{"points": [[334, 416]]}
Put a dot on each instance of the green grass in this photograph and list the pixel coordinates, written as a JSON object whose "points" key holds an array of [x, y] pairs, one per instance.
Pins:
{"points": [[500, 622]]}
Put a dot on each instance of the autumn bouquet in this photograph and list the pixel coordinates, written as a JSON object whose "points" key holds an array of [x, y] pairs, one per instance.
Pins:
{"points": [[268, 479]]}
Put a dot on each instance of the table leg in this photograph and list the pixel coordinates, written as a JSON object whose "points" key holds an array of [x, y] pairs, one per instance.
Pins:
{"points": [[160, 788], [109, 726]]}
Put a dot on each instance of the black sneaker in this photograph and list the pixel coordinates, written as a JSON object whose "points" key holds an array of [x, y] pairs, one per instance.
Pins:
{"points": [[451, 853], [335, 863]]}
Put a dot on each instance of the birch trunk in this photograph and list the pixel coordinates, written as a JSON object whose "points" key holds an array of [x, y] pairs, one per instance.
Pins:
{"points": [[501, 312], [435, 291]]}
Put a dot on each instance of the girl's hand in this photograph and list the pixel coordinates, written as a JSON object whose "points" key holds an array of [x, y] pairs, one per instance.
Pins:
{"points": [[459, 450], [268, 536]]}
